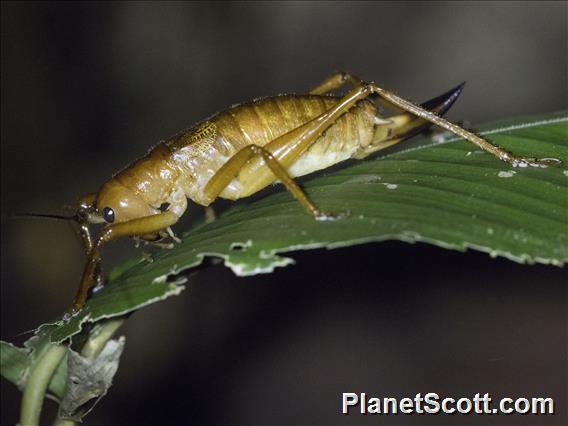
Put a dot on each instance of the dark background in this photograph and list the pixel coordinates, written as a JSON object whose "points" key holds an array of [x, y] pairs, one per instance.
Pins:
{"points": [[86, 88]]}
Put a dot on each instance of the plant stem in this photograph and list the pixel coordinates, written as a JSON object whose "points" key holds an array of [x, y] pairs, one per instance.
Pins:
{"points": [[37, 383], [63, 422], [99, 336]]}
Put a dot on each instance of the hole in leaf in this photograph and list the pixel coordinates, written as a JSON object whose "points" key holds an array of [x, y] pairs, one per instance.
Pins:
{"points": [[241, 246]]}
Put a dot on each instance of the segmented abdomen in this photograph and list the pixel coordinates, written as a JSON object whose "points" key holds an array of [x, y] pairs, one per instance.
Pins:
{"points": [[261, 121], [199, 152]]}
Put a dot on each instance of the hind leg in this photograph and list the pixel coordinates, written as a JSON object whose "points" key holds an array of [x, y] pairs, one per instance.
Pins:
{"points": [[502, 154], [335, 81]]}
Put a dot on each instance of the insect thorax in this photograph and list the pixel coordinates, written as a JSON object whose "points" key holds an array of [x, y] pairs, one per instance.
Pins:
{"points": [[198, 153], [152, 178]]}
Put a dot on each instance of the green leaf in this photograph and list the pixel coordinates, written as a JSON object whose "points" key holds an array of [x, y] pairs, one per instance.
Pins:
{"points": [[449, 193], [16, 363]]}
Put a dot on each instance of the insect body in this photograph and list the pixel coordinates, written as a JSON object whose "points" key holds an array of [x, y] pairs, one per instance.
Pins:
{"points": [[240, 151]]}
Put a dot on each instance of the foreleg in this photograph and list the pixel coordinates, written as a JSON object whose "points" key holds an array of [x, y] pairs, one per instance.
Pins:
{"points": [[141, 226]]}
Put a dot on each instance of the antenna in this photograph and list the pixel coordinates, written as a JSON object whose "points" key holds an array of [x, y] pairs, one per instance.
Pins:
{"points": [[48, 216]]}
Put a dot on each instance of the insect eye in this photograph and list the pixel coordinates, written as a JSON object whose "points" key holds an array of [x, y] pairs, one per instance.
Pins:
{"points": [[108, 215]]}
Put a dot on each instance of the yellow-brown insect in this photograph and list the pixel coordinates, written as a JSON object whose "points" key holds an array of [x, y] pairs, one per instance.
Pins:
{"points": [[243, 149]]}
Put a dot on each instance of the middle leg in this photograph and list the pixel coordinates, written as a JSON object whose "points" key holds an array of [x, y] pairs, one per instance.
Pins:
{"points": [[226, 174], [257, 167]]}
